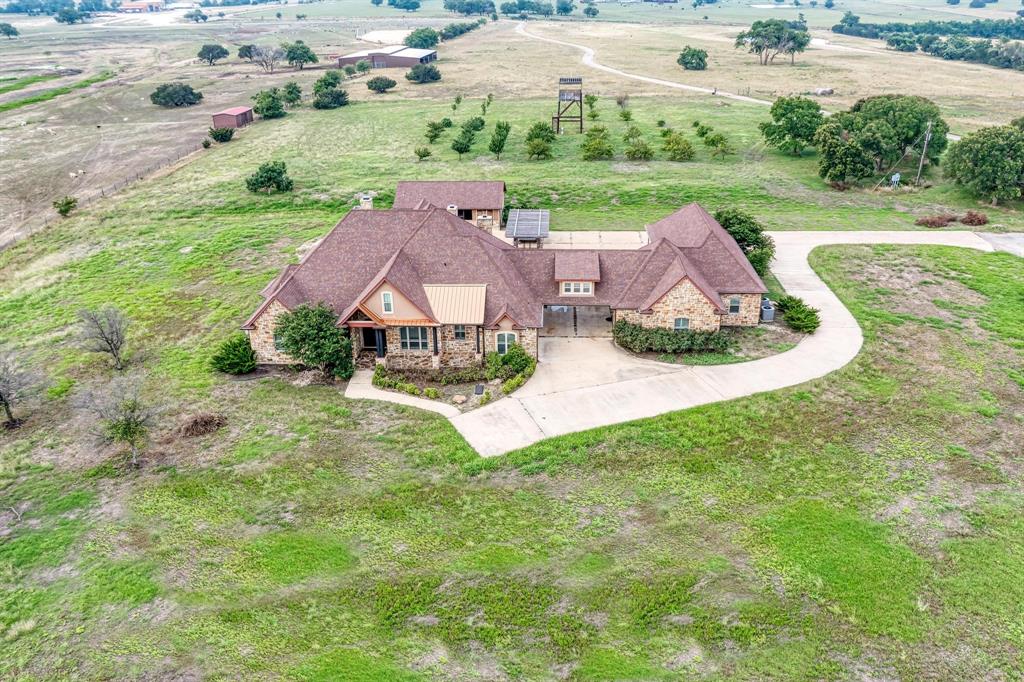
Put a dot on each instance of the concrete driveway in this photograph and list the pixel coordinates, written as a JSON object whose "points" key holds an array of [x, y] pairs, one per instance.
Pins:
{"points": [[585, 383]]}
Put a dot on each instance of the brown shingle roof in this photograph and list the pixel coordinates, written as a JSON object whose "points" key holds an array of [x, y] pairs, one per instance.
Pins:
{"points": [[577, 265], [411, 249], [462, 193]]}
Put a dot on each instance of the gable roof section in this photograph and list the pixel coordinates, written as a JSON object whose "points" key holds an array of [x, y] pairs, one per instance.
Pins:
{"points": [[665, 267], [462, 193], [577, 265], [710, 249], [457, 303]]}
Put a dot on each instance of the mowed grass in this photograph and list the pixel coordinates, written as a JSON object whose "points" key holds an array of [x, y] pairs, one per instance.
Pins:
{"points": [[852, 524]]}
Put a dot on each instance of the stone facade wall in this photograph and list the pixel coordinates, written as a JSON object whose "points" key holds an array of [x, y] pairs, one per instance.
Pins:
{"points": [[408, 359], [683, 300], [262, 337], [458, 352], [527, 338], [749, 314]]}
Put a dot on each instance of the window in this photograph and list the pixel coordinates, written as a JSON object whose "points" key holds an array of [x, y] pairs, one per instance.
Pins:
{"points": [[734, 305], [577, 288], [460, 332], [387, 302], [278, 343], [681, 324], [413, 338], [465, 213], [505, 341]]}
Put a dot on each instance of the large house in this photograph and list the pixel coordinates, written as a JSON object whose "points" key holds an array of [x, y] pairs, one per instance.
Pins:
{"points": [[421, 287]]}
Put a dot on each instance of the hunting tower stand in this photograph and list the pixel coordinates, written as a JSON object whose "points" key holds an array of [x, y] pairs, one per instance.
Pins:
{"points": [[570, 102]]}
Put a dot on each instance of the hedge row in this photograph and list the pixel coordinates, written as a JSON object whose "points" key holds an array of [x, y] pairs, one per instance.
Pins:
{"points": [[639, 339]]}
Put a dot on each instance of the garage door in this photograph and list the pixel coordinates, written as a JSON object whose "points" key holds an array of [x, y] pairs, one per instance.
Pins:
{"points": [[577, 320]]}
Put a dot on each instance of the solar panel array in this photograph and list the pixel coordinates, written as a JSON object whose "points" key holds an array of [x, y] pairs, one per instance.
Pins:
{"points": [[527, 223], [570, 80]]}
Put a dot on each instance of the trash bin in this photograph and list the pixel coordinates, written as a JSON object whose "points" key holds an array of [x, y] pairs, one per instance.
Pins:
{"points": [[767, 311]]}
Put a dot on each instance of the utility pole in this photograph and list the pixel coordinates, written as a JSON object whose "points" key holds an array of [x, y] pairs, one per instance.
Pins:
{"points": [[924, 151]]}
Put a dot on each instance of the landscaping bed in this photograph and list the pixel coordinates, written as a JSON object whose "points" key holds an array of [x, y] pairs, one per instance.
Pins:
{"points": [[500, 375]]}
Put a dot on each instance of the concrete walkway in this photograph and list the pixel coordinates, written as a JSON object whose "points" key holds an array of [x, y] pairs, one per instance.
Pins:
{"points": [[573, 392], [361, 386]]}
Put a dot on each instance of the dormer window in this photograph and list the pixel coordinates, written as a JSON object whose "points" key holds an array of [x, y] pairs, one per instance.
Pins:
{"points": [[577, 288], [387, 302]]}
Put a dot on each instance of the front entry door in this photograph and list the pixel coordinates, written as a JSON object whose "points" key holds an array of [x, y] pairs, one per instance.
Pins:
{"points": [[369, 338]]}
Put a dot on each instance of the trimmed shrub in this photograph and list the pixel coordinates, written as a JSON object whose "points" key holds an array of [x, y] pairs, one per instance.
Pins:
{"points": [[462, 376], [638, 339], [797, 314], [222, 134], [432, 393], [234, 356], [381, 84], [974, 218], [513, 383], [423, 73]]}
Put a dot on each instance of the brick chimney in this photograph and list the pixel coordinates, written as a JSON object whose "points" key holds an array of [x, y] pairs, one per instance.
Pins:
{"points": [[453, 209]]}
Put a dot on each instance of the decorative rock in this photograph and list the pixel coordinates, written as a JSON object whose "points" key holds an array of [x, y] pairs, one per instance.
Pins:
{"points": [[458, 399]]}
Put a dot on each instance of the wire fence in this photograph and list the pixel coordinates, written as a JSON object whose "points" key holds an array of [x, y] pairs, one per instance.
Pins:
{"points": [[49, 215]]}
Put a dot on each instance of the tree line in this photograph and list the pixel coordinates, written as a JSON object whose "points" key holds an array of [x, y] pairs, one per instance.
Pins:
{"points": [[1012, 29]]}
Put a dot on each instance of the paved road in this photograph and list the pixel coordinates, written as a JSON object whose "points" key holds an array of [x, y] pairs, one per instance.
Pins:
{"points": [[573, 393]]}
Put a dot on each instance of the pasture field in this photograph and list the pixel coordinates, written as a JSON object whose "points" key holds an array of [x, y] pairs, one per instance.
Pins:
{"points": [[87, 141], [866, 525]]}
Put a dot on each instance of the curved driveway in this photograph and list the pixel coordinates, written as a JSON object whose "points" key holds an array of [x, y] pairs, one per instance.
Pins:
{"points": [[586, 383]]}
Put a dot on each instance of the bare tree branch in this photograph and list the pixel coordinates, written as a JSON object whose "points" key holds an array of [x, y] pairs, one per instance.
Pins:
{"points": [[105, 331], [17, 381], [122, 415], [267, 57]]}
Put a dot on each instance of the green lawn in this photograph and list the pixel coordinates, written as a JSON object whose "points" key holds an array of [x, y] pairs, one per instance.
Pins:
{"points": [[854, 523]]}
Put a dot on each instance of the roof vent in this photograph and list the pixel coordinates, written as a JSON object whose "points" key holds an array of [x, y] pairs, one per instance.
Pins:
{"points": [[365, 202], [453, 209]]}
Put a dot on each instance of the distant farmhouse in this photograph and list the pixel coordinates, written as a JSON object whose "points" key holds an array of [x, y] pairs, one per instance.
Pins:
{"points": [[419, 286], [389, 57], [138, 6]]}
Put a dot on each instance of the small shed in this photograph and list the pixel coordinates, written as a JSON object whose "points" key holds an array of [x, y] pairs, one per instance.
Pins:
{"points": [[235, 117]]}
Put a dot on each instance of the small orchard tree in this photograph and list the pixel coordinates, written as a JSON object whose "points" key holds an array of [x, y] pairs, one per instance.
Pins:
{"points": [[104, 331], [794, 122], [17, 382], [247, 52], [291, 93], [123, 416], [423, 73], [269, 177], [693, 59], [597, 144], [175, 95], [310, 335], [678, 147], [434, 130], [195, 15], [423, 39], [590, 11], [362, 66], [638, 150], [463, 143], [298, 54], [331, 98], [422, 153], [749, 234], [328, 81], [498, 138], [381, 84], [211, 53], [7, 30], [541, 131], [269, 103], [65, 205], [538, 149], [221, 135]]}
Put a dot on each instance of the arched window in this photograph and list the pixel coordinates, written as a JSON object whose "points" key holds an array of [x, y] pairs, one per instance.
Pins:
{"points": [[505, 341]]}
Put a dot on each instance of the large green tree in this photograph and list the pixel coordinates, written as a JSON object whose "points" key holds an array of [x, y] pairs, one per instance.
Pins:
{"points": [[768, 38], [298, 54], [8, 30], [693, 59], [794, 122], [423, 38], [211, 53], [269, 103], [749, 234], [989, 163], [841, 159], [310, 335]]}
